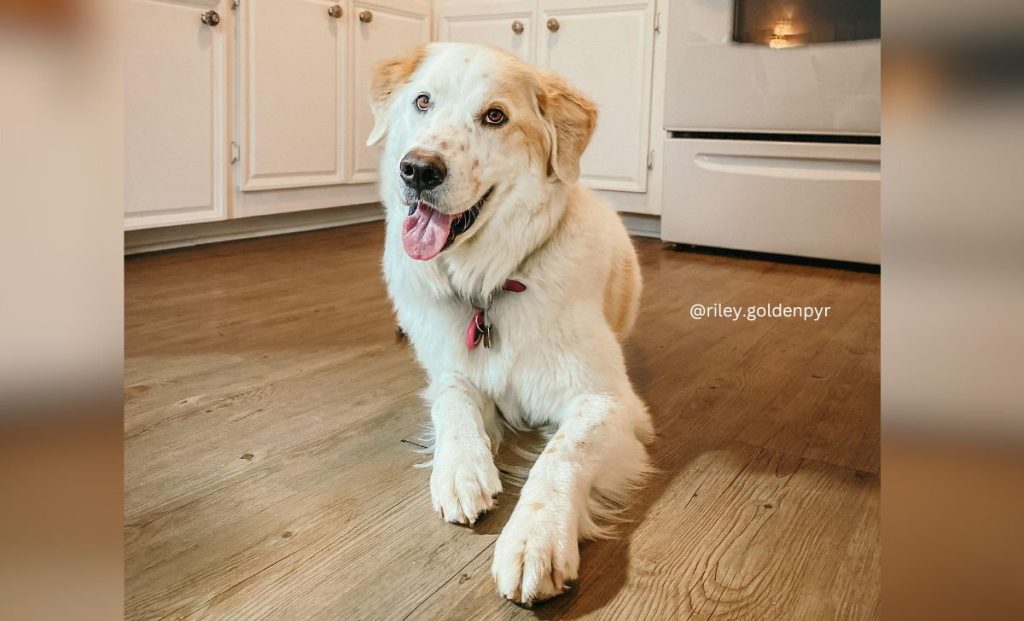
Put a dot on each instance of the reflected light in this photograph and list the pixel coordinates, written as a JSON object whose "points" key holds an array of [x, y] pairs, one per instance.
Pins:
{"points": [[781, 34]]}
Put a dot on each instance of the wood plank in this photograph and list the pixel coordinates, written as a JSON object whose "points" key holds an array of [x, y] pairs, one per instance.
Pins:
{"points": [[266, 401], [316, 491], [173, 464], [741, 533]]}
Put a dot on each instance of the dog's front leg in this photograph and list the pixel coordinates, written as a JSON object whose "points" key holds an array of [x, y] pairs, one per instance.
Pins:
{"points": [[464, 480], [595, 447]]}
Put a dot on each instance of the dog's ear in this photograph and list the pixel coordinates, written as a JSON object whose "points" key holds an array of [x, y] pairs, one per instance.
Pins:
{"points": [[571, 118], [388, 76]]}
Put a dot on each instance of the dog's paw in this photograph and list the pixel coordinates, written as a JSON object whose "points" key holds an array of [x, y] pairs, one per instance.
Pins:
{"points": [[536, 554], [463, 482]]}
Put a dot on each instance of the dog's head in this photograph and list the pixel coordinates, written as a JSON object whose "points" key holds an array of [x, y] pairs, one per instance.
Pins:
{"points": [[473, 135]]}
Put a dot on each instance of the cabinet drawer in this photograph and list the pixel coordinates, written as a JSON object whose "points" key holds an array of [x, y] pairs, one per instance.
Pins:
{"points": [[804, 199]]}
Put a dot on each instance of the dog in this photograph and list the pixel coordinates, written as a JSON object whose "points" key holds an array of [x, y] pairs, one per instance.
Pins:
{"points": [[515, 285]]}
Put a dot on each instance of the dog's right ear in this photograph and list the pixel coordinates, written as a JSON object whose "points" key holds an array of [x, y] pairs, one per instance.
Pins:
{"points": [[388, 76]]}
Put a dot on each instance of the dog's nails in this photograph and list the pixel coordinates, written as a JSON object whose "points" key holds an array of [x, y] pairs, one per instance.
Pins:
{"points": [[559, 580]]}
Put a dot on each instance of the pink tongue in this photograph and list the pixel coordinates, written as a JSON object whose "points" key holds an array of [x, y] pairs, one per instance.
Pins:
{"points": [[425, 232]]}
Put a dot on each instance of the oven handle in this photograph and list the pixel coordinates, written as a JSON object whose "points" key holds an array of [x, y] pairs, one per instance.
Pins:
{"points": [[817, 169]]}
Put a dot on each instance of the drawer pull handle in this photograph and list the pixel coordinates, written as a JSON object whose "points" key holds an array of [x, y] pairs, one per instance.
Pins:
{"points": [[791, 167]]}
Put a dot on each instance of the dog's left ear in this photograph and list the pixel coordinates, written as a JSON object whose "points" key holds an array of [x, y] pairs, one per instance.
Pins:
{"points": [[388, 76], [572, 118]]}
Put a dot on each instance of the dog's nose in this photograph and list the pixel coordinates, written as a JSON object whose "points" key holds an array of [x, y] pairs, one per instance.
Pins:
{"points": [[422, 170]]}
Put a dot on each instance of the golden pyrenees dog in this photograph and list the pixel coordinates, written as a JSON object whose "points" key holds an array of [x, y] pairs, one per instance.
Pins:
{"points": [[515, 285]]}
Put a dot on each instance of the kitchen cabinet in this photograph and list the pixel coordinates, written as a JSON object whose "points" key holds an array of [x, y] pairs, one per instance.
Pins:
{"points": [[382, 31], [507, 24], [176, 132], [292, 65], [238, 108], [254, 107], [307, 66], [604, 48]]}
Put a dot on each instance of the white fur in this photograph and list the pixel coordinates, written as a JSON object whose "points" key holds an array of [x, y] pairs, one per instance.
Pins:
{"points": [[556, 361]]}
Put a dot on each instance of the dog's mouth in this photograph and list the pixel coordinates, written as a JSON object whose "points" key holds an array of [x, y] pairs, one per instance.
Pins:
{"points": [[426, 232]]}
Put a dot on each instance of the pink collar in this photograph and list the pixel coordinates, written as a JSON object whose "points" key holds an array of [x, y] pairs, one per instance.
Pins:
{"points": [[479, 331]]}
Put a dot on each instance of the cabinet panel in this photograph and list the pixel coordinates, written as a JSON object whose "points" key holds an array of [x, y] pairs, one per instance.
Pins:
{"points": [[380, 32], [606, 50], [175, 114], [493, 23], [293, 116]]}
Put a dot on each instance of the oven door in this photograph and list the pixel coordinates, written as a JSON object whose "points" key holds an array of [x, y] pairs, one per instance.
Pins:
{"points": [[778, 66]]}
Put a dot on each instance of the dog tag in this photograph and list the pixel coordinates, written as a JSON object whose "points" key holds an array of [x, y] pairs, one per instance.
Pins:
{"points": [[479, 331], [476, 329]]}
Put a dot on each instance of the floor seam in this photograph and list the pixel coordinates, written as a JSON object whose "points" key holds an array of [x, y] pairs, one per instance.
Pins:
{"points": [[448, 581]]}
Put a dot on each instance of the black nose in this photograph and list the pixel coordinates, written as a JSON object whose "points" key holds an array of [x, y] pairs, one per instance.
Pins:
{"points": [[422, 170]]}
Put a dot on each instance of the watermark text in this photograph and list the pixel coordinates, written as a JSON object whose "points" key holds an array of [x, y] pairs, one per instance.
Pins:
{"points": [[760, 311]]}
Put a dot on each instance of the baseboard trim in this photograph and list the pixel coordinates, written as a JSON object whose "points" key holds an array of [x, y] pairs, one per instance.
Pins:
{"points": [[186, 235], [642, 225]]}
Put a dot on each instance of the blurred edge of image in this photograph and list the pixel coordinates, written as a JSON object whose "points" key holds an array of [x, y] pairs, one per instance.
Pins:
{"points": [[952, 302], [953, 395], [60, 310]]}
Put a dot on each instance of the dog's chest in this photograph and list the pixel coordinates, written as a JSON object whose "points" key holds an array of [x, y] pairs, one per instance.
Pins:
{"points": [[517, 370], [514, 371]]}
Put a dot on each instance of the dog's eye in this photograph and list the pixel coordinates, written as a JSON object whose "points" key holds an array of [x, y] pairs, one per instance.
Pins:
{"points": [[423, 102], [495, 116]]}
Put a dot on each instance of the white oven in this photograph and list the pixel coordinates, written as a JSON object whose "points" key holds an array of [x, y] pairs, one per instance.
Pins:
{"points": [[772, 126], [780, 66]]}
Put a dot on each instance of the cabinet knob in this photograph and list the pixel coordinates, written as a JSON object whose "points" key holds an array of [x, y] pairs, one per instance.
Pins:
{"points": [[210, 18], [553, 24], [366, 16], [517, 27], [334, 11]]}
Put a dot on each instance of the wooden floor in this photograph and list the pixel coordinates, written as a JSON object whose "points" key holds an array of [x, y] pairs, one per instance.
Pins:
{"points": [[268, 407]]}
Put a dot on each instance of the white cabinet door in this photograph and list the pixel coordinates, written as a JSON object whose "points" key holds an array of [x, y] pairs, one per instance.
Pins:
{"points": [[606, 50], [175, 113], [293, 119], [381, 30], [507, 24]]}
